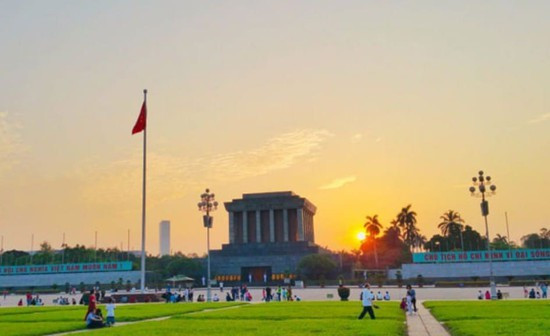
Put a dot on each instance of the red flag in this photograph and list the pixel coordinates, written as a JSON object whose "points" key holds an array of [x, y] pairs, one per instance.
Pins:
{"points": [[141, 121]]}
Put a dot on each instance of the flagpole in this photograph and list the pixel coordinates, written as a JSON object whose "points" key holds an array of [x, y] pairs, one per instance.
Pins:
{"points": [[143, 201]]}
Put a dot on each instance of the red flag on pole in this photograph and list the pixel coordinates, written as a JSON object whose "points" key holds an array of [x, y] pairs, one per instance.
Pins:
{"points": [[142, 120]]}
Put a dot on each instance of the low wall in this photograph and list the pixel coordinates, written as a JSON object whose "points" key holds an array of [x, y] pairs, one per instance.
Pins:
{"points": [[481, 269], [42, 280]]}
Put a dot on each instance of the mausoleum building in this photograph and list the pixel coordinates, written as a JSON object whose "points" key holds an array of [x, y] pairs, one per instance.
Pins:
{"points": [[268, 235]]}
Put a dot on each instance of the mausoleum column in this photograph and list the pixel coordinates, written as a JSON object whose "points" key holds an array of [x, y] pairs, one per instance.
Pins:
{"points": [[258, 227], [231, 227], [301, 234], [285, 225], [245, 227], [271, 225]]}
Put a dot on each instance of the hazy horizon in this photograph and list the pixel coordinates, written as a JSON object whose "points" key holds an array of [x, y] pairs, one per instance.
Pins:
{"points": [[361, 107]]}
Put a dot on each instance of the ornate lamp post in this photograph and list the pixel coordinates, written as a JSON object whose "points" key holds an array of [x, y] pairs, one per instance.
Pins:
{"points": [[479, 189], [207, 205]]}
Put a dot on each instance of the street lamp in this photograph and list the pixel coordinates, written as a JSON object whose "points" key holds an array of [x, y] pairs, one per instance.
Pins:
{"points": [[479, 189], [206, 205]]}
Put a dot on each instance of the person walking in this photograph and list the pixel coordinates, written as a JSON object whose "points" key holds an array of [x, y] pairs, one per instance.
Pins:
{"points": [[366, 298]]}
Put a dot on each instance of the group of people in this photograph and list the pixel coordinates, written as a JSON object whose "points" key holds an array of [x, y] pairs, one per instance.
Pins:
{"points": [[487, 295], [64, 301], [385, 297], [236, 293], [94, 316], [31, 300], [268, 294], [532, 294], [408, 303], [186, 295]]}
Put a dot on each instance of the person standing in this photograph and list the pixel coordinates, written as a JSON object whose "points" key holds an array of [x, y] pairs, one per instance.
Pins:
{"points": [[366, 298], [544, 289], [28, 297], [409, 303], [412, 293], [110, 312], [91, 304], [268, 294]]}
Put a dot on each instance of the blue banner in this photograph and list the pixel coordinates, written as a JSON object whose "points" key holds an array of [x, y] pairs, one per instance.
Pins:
{"points": [[66, 268], [481, 256]]}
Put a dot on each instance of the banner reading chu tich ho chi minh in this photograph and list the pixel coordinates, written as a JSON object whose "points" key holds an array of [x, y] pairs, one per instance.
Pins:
{"points": [[66, 268], [481, 256]]}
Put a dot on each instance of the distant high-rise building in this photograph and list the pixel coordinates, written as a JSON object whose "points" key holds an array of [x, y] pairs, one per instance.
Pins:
{"points": [[164, 238]]}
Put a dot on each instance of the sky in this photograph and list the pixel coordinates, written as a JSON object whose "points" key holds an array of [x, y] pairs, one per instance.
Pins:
{"points": [[362, 107]]}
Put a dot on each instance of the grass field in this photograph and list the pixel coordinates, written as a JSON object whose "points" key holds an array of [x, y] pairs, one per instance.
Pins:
{"points": [[27, 321], [473, 318], [277, 318]]}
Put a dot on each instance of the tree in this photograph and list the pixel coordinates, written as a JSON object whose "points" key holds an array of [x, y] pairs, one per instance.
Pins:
{"points": [[392, 235], [373, 226], [406, 219], [501, 243], [534, 240], [317, 266], [44, 255], [419, 241], [473, 240], [437, 243], [45, 247], [451, 226]]}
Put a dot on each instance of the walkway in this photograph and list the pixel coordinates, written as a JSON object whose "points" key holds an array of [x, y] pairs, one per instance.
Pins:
{"points": [[424, 324]]}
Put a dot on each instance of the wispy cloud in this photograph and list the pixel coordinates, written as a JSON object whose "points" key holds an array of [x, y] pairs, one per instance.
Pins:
{"points": [[171, 176], [10, 142], [357, 137], [339, 182], [539, 119]]}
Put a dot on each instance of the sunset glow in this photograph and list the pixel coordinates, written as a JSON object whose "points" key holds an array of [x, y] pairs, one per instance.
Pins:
{"points": [[361, 108]]}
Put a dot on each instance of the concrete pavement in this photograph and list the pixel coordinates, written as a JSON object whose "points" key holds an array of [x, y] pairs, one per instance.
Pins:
{"points": [[422, 323]]}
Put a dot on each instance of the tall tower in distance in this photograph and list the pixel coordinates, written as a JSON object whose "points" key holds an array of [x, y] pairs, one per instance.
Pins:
{"points": [[164, 238]]}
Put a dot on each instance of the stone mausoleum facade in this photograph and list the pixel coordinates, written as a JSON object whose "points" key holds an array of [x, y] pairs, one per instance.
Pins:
{"points": [[268, 235]]}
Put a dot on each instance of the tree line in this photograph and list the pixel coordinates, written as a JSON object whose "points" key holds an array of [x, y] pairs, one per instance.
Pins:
{"points": [[393, 245]]}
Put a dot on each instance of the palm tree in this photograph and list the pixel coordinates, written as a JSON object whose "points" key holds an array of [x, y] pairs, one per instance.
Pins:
{"points": [[545, 233], [356, 253], [395, 226], [406, 220], [452, 224], [420, 240], [500, 239], [373, 226]]}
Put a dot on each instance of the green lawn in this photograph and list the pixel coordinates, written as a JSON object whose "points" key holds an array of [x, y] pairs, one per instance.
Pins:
{"points": [[473, 318], [48, 320], [276, 318]]}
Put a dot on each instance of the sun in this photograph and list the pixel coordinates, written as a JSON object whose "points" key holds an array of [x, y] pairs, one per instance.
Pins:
{"points": [[361, 236]]}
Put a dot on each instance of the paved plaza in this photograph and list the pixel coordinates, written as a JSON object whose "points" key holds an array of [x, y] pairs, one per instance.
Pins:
{"points": [[327, 293]]}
